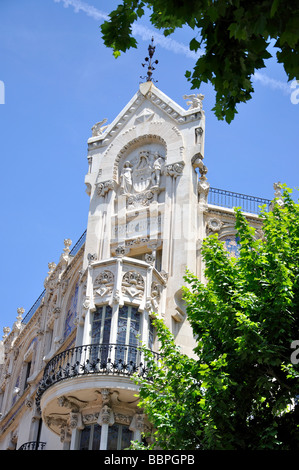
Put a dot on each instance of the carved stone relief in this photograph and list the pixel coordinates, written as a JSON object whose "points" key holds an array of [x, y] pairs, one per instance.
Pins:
{"points": [[140, 176], [104, 283], [156, 289], [175, 170], [105, 186], [133, 284]]}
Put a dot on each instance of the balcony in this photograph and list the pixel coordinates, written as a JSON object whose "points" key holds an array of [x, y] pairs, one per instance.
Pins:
{"points": [[33, 445], [116, 360], [229, 200]]}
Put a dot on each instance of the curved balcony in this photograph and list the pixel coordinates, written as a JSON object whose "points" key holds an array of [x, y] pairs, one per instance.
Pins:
{"points": [[33, 445], [98, 359]]}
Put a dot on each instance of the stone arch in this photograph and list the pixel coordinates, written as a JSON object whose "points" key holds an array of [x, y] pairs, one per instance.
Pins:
{"points": [[135, 143], [162, 132]]}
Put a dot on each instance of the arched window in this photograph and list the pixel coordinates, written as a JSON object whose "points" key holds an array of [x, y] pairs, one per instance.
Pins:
{"points": [[71, 312], [231, 244]]}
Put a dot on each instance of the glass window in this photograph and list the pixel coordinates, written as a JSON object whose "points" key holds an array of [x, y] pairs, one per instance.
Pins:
{"points": [[100, 333], [90, 437], [127, 340], [151, 335], [119, 437], [101, 324], [128, 325]]}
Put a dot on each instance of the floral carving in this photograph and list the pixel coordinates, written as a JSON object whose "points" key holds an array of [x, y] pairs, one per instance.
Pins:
{"points": [[175, 170], [133, 284], [104, 282]]}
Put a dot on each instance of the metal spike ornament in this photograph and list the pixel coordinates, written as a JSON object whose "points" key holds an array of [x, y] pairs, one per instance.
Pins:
{"points": [[150, 68]]}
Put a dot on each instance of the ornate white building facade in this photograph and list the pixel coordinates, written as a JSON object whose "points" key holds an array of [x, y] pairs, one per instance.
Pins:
{"points": [[66, 366]]}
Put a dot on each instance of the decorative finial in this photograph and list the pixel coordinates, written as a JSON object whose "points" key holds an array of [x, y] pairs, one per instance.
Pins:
{"points": [[150, 69]]}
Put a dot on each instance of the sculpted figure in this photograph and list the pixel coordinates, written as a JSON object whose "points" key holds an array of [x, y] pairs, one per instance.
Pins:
{"points": [[157, 168], [126, 178]]}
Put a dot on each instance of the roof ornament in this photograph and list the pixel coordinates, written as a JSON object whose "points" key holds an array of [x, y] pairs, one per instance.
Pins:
{"points": [[150, 69]]}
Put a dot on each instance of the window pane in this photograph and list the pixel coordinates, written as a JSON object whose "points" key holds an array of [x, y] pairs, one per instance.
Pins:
{"points": [[107, 325], [84, 438], [96, 437], [151, 335], [112, 437], [126, 437], [96, 325], [119, 437], [134, 326], [122, 325]]}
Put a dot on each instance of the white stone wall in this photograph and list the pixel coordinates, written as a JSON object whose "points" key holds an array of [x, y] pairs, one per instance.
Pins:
{"points": [[147, 218]]}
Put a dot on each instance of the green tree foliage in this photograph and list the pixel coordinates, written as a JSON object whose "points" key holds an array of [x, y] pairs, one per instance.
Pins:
{"points": [[239, 392], [234, 35]]}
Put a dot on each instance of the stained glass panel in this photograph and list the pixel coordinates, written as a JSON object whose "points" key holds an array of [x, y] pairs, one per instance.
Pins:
{"points": [[69, 324]]}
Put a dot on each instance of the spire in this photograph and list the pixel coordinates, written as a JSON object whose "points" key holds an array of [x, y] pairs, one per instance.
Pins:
{"points": [[150, 69]]}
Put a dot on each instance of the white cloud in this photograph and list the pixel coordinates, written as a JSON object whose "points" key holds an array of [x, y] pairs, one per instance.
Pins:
{"points": [[138, 30], [85, 7], [166, 42], [272, 83]]}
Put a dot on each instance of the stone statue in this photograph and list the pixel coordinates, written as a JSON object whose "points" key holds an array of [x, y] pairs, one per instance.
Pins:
{"points": [[126, 178]]}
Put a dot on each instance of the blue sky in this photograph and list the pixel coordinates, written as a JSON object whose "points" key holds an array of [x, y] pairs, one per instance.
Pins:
{"points": [[59, 80]]}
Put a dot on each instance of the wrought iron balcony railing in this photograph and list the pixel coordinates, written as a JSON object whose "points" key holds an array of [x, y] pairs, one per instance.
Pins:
{"points": [[229, 199], [106, 359], [33, 445]]}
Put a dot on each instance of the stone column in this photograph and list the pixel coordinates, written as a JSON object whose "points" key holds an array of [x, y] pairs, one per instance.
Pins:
{"points": [[106, 419], [138, 426], [76, 425]]}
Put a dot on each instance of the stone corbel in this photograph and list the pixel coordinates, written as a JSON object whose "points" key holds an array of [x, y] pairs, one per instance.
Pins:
{"points": [[73, 403], [203, 188], [105, 395], [197, 161], [121, 251], [138, 425], [104, 187], [106, 416], [76, 421], [65, 434]]}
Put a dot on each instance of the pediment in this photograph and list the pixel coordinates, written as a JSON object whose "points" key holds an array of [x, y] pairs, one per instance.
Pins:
{"points": [[148, 104]]}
